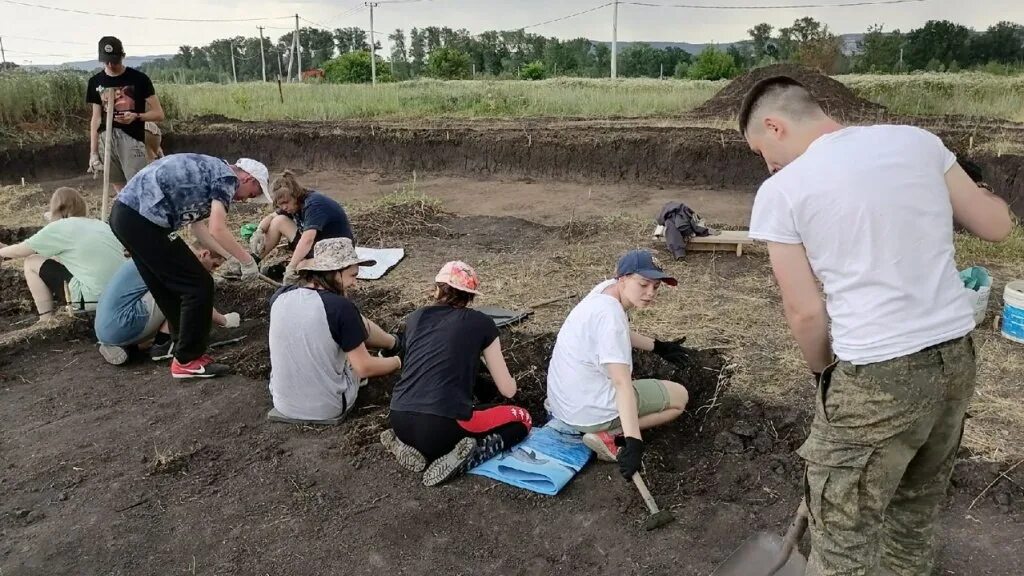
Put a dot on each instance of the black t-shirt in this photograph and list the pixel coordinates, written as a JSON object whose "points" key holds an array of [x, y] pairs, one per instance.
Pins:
{"points": [[443, 347], [133, 87]]}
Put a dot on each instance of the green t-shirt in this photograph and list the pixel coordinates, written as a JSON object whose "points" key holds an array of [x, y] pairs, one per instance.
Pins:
{"points": [[87, 248]]}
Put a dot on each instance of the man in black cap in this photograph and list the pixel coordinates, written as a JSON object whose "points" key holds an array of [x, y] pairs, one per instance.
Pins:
{"points": [[135, 103]]}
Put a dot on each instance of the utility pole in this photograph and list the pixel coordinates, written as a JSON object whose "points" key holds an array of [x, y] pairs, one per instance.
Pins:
{"points": [[277, 56], [615, 39], [298, 50], [263, 57], [234, 75], [901, 60], [373, 47], [3, 54]]}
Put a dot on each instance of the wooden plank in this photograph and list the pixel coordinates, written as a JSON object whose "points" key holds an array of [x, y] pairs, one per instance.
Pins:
{"points": [[732, 237]]}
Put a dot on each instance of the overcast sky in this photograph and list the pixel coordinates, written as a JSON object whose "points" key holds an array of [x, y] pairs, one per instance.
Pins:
{"points": [[79, 33]]}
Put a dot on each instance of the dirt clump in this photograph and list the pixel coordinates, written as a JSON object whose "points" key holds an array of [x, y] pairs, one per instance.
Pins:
{"points": [[16, 234], [837, 100]]}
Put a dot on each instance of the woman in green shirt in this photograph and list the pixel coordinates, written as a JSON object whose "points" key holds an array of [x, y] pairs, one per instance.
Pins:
{"points": [[72, 249]]}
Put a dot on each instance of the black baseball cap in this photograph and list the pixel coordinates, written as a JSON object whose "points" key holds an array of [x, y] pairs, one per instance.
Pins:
{"points": [[643, 263], [111, 50]]}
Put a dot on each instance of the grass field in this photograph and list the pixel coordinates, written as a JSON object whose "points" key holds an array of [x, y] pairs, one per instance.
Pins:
{"points": [[37, 103]]}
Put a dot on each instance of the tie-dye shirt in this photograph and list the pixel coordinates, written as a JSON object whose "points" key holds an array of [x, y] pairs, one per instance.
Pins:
{"points": [[178, 190]]}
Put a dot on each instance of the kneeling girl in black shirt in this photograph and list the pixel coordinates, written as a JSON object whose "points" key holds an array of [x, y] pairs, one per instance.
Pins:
{"points": [[433, 418]]}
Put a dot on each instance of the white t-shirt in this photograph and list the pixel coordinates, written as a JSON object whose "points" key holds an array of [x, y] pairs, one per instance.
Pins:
{"points": [[871, 207], [595, 333]]}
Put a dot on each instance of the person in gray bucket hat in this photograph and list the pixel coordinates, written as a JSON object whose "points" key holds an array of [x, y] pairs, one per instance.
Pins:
{"points": [[319, 341]]}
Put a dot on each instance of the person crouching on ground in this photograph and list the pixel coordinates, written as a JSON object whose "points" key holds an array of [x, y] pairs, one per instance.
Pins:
{"points": [[127, 315], [590, 385], [319, 340], [303, 218], [72, 249], [432, 413]]}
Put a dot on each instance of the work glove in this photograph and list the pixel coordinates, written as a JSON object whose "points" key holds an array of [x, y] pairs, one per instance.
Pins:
{"points": [[291, 276], [673, 351], [232, 320], [398, 349], [95, 165], [257, 241], [250, 270], [630, 456]]}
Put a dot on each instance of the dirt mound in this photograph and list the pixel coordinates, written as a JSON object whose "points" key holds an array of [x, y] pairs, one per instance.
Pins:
{"points": [[837, 100]]}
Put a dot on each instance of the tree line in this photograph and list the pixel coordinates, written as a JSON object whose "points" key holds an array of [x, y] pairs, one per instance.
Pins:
{"points": [[441, 52]]}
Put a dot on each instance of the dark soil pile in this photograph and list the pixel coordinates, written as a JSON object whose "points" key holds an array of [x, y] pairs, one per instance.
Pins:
{"points": [[15, 234], [837, 100]]}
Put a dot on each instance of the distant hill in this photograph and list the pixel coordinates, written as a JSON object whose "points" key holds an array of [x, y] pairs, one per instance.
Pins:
{"points": [[849, 44], [89, 65]]}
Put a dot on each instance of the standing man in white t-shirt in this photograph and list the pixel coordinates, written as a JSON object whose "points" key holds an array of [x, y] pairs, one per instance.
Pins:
{"points": [[590, 382], [869, 211]]}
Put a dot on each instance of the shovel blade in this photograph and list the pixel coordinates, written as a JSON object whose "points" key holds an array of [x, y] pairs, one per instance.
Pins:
{"points": [[757, 555]]}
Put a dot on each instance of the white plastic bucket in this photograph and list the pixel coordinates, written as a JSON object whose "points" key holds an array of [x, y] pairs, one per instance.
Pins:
{"points": [[1013, 311]]}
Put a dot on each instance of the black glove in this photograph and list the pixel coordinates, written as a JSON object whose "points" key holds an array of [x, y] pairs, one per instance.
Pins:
{"points": [[673, 351], [630, 456], [398, 349]]}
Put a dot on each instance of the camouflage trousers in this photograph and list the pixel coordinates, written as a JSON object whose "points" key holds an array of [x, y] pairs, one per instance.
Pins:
{"points": [[879, 457]]}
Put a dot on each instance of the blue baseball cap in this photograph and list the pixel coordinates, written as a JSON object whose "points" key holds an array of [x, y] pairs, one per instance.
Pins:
{"points": [[643, 263]]}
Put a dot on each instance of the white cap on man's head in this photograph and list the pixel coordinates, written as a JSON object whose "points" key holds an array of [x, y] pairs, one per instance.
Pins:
{"points": [[258, 171]]}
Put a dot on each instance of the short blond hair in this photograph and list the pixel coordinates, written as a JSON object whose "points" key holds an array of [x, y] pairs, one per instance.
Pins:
{"points": [[67, 203]]}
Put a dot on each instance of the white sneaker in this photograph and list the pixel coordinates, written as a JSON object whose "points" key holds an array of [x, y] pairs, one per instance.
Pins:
{"points": [[115, 355]]}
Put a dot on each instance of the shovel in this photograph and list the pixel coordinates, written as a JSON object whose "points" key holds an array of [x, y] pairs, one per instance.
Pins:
{"points": [[765, 554]]}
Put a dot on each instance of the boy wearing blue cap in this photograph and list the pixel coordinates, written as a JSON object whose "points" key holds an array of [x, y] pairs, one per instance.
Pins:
{"points": [[590, 384]]}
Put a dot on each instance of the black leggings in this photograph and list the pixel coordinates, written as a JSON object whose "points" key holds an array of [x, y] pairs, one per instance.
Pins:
{"points": [[495, 430], [181, 287], [54, 275]]}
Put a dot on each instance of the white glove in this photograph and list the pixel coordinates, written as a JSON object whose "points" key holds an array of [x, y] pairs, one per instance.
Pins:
{"points": [[95, 164], [251, 270], [232, 320]]}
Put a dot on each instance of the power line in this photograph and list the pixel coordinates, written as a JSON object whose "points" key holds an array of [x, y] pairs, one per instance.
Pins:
{"points": [[573, 15], [772, 7], [315, 24], [157, 18], [49, 41]]}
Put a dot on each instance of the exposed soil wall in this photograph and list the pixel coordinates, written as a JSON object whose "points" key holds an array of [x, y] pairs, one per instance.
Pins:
{"points": [[591, 151]]}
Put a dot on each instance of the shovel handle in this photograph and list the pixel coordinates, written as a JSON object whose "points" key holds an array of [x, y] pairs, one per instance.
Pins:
{"points": [[270, 281], [645, 493], [791, 539]]}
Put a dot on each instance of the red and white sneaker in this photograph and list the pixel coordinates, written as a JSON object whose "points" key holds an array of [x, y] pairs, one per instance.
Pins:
{"points": [[603, 444], [202, 367]]}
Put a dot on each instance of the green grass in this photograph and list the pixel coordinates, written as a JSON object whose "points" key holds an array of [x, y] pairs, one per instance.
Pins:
{"points": [[430, 98], [963, 94], [34, 106]]}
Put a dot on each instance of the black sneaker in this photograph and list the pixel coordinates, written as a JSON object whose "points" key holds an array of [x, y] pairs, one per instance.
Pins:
{"points": [[451, 464], [161, 352]]}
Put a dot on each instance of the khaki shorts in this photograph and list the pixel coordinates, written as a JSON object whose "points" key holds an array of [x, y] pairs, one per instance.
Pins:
{"points": [[651, 398], [127, 155]]}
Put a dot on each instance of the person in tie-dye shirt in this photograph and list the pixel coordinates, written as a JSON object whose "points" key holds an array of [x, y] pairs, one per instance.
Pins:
{"points": [[191, 190]]}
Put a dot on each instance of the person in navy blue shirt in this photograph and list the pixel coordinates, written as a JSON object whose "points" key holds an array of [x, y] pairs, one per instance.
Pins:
{"points": [[303, 218]]}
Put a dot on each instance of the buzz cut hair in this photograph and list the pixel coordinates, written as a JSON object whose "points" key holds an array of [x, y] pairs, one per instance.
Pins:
{"points": [[781, 93]]}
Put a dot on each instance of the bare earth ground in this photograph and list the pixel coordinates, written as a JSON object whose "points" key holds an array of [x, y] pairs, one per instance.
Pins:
{"points": [[124, 471]]}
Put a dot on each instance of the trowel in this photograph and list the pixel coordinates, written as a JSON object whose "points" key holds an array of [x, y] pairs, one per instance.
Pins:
{"points": [[765, 554]]}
